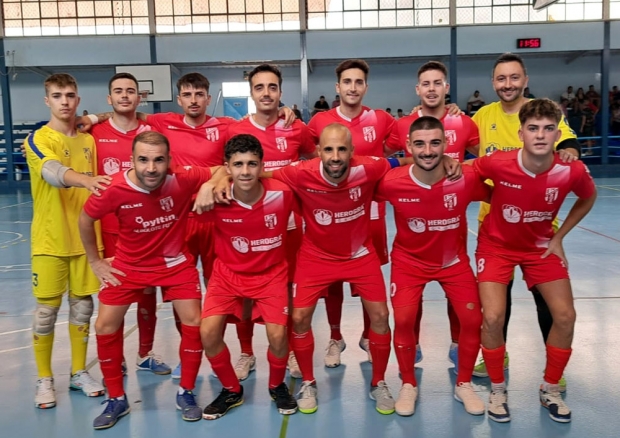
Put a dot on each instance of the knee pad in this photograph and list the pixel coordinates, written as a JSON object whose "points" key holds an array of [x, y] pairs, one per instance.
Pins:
{"points": [[44, 319], [80, 310]]}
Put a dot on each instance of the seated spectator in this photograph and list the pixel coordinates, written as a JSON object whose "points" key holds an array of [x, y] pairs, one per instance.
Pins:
{"points": [[321, 105], [526, 93], [389, 111], [614, 94], [569, 95], [399, 113], [296, 112], [615, 119], [336, 101], [587, 123], [594, 97], [564, 107], [475, 102]]}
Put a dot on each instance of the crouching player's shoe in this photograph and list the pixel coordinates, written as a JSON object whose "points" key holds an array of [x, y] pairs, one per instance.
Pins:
{"points": [[153, 363], [285, 402], [116, 408], [223, 403], [186, 403], [551, 399], [82, 381]]}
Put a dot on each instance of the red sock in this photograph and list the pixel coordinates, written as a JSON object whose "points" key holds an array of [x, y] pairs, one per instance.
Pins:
{"points": [[245, 332], [469, 338], [147, 318], [405, 342], [289, 332], [277, 369], [303, 346], [333, 308], [455, 325], [380, 352], [494, 361], [224, 370], [418, 322], [366, 324], [557, 359], [110, 352], [190, 352], [177, 321]]}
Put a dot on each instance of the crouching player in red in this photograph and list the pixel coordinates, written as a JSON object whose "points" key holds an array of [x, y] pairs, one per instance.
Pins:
{"points": [[530, 186], [250, 263], [430, 212], [151, 202]]}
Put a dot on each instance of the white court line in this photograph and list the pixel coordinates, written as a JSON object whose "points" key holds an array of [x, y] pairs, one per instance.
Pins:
{"points": [[15, 205], [19, 236]]}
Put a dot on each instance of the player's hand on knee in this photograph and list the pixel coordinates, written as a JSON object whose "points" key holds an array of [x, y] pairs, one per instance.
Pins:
{"points": [[288, 115], [106, 273], [452, 167], [556, 247], [566, 156]]}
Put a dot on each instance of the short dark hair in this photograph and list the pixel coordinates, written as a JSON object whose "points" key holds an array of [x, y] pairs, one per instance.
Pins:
{"points": [[508, 57], [193, 80], [353, 63], [123, 75], [426, 123], [433, 65], [61, 80], [271, 68], [399, 110], [242, 143], [538, 109], [388, 109], [152, 138]]}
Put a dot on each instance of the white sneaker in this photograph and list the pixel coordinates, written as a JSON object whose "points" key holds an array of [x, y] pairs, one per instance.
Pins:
{"points": [[334, 348], [245, 364], [551, 399], [82, 381], [405, 405], [381, 394], [498, 406], [365, 345], [472, 402], [306, 398], [45, 397], [293, 366]]}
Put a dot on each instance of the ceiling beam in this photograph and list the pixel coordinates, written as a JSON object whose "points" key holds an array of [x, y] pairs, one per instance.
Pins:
{"points": [[175, 70], [574, 56], [39, 71]]}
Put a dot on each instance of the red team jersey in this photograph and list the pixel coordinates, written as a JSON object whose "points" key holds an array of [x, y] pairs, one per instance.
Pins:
{"points": [[250, 239], [461, 133], [524, 204], [336, 215], [114, 156], [369, 131], [193, 146], [152, 224], [429, 219], [282, 146]]}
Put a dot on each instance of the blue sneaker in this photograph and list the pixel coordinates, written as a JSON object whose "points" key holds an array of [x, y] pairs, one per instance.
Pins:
{"points": [[116, 408], [176, 373], [186, 403], [453, 356], [152, 363], [418, 354]]}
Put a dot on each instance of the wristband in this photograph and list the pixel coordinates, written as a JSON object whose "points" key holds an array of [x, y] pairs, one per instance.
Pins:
{"points": [[393, 162]]}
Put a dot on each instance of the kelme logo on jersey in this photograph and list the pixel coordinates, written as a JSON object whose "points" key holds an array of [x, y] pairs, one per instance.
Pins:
{"points": [[370, 134], [241, 244], [450, 136], [166, 203], [111, 165], [511, 213], [213, 134], [271, 220], [417, 225], [323, 217], [551, 195], [449, 201], [281, 144], [355, 193]]}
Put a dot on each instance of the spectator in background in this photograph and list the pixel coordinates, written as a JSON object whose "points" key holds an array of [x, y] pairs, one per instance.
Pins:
{"points": [[564, 106], [614, 94], [588, 113], [296, 112], [336, 101], [615, 118], [580, 98], [526, 93], [85, 112], [475, 102], [594, 97], [389, 111], [399, 113], [569, 95], [321, 105]]}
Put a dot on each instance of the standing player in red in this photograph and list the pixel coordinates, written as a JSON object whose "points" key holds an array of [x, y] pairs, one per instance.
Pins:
{"points": [[282, 146], [461, 137], [430, 213], [251, 263], [113, 138], [530, 186], [369, 130], [151, 202]]}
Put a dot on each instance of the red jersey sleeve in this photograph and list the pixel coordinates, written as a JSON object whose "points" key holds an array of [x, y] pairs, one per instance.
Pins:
{"points": [[312, 130], [483, 167], [288, 175], [380, 167], [480, 190], [390, 125], [308, 145], [381, 192], [394, 142], [583, 185], [99, 206], [473, 139], [193, 176], [156, 120]]}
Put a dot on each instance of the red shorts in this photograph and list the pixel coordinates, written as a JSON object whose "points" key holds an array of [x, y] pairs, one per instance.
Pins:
{"points": [[268, 290], [109, 244], [408, 282], [200, 242], [498, 266], [177, 283], [293, 243], [378, 232], [315, 275]]}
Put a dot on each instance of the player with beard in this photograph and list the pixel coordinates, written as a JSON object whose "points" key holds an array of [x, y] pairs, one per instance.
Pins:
{"points": [[498, 125], [461, 137]]}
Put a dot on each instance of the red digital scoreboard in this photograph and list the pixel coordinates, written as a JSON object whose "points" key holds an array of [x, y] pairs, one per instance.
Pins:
{"points": [[529, 43]]}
